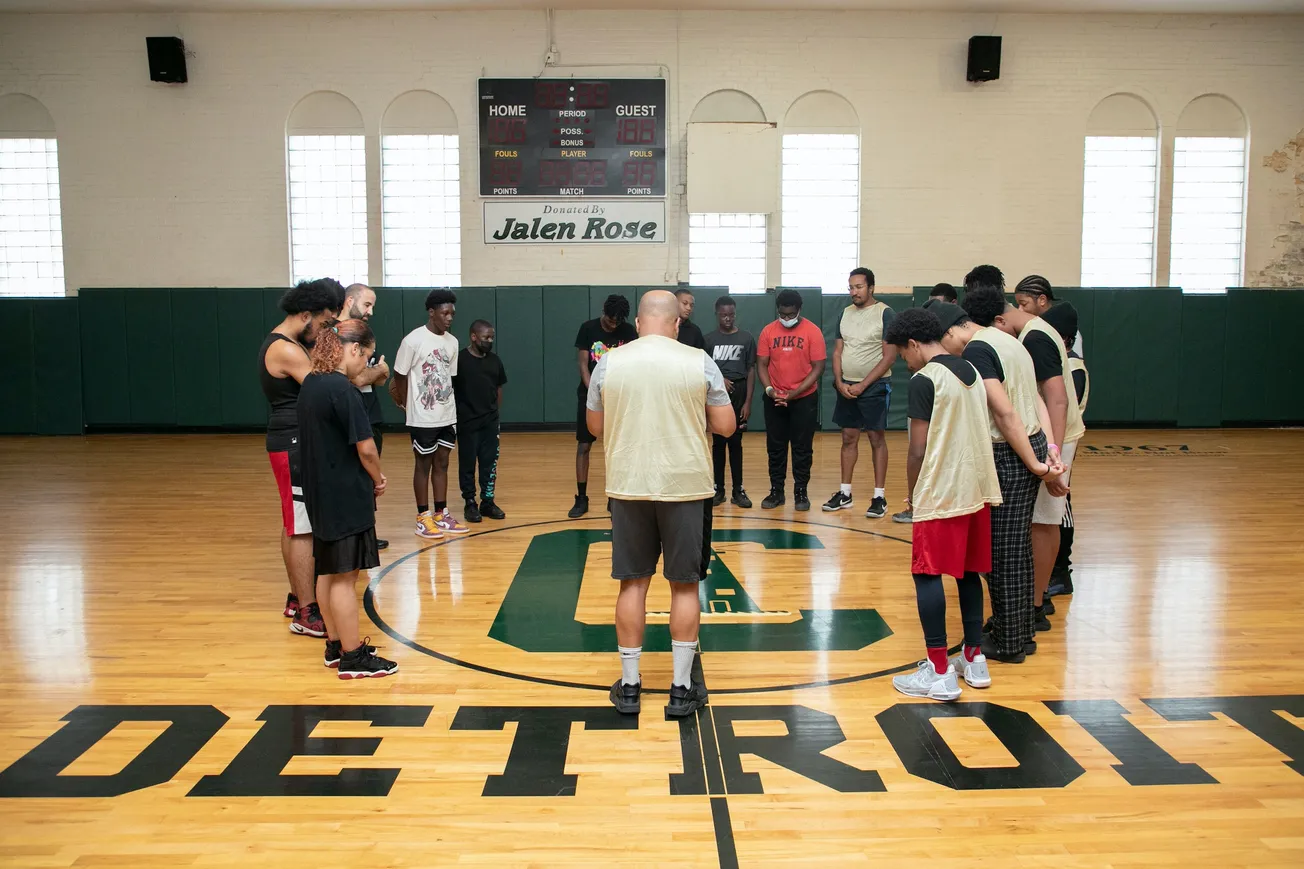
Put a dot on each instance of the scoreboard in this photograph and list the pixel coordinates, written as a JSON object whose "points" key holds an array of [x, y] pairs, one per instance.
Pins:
{"points": [[572, 137]]}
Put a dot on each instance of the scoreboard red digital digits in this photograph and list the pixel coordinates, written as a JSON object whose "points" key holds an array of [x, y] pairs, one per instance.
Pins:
{"points": [[572, 137]]}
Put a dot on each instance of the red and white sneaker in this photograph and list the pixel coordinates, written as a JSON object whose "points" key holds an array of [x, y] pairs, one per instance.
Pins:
{"points": [[448, 525], [291, 606], [308, 622]]}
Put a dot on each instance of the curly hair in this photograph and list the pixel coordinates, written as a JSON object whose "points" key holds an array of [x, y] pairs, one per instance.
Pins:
{"points": [[435, 298], [329, 349], [984, 277], [323, 294], [914, 324], [984, 305], [788, 299], [616, 307]]}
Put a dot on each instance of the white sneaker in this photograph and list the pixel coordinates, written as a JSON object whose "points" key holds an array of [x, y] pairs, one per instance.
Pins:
{"points": [[927, 682], [975, 672]]}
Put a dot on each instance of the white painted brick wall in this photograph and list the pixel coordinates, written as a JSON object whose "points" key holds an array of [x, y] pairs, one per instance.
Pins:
{"points": [[182, 186]]}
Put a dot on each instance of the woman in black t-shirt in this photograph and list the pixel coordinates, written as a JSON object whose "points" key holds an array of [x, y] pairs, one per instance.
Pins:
{"points": [[341, 480]]}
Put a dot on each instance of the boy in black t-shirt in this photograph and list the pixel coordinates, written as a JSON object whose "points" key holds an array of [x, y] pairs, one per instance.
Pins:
{"points": [[734, 352], [478, 389], [593, 340]]}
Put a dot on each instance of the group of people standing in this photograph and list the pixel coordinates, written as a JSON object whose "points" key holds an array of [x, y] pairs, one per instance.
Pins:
{"points": [[318, 370]]}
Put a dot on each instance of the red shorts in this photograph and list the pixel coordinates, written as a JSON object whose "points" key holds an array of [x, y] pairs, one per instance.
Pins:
{"points": [[294, 512], [954, 546]]}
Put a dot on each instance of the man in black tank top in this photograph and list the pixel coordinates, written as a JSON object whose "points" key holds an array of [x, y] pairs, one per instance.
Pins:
{"points": [[282, 364]]}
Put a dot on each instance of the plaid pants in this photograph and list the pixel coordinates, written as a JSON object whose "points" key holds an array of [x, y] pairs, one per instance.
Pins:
{"points": [[1010, 584]]}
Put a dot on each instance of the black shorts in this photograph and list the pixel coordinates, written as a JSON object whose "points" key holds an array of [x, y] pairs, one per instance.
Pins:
{"points": [[425, 441], [355, 552], [643, 531], [868, 411], [582, 421]]}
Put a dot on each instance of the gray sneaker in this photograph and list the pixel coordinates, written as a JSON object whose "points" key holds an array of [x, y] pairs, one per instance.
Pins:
{"points": [[905, 517], [975, 672], [927, 682]]}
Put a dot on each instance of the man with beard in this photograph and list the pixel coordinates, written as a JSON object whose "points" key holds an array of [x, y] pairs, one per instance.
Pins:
{"points": [[360, 304], [283, 363]]}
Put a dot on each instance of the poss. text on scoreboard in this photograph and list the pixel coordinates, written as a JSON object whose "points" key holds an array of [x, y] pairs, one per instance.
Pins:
{"points": [[572, 137]]}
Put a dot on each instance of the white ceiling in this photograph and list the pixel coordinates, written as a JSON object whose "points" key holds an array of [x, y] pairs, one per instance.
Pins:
{"points": [[1241, 7]]}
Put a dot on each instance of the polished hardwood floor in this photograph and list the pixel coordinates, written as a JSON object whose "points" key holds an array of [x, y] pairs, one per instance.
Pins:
{"points": [[155, 710]]}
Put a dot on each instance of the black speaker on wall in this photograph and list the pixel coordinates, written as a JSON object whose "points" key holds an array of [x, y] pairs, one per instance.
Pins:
{"points": [[167, 59], [984, 58]]}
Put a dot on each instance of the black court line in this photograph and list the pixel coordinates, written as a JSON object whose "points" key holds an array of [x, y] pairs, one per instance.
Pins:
{"points": [[704, 723], [369, 605]]}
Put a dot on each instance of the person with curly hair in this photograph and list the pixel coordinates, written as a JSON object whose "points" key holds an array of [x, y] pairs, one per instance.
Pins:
{"points": [[341, 482], [594, 339]]}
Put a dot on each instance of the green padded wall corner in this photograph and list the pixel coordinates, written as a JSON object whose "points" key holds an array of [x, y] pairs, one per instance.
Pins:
{"points": [[149, 343], [19, 416], [1200, 398], [56, 354], [196, 354], [106, 399], [240, 320], [564, 309], [520, 346]]}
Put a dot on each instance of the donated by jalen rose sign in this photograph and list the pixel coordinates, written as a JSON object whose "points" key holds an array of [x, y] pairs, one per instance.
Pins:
{"points": [[593, 222]]}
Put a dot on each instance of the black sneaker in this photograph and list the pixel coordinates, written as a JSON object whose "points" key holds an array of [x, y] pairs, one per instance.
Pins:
{"points": [[382, 544], [334, 651], [492, 510], [1048, 607], [1030, 647], [472, 512], [719, 498], [626, 697], [1041, 623], [877, 509], [740, 499], [839, 501], [800, 500], [1061, 582], [361, 664], [581, 507], [993, 654], [685, 701], [774, 499]]}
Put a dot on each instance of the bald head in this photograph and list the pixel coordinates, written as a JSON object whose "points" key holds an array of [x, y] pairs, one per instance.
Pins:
{"points": [[658, 314], [359, 302]]}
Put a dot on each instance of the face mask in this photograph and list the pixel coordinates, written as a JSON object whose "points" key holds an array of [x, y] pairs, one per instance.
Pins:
{"points": [[788, 324], [485, 346]]}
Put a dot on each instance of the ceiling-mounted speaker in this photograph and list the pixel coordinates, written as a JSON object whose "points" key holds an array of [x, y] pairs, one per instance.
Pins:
{"points": [[984, 58], [167, 59]]}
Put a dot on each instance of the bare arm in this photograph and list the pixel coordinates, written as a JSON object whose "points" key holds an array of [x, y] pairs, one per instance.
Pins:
{"points": [[370, 459], [1011, 426], [582, 359], [837, 367], [1057, 406], [915, 459], [721, 419], [594, 419], [398, 390], [288, 360], [378, 373], [763, 370]]}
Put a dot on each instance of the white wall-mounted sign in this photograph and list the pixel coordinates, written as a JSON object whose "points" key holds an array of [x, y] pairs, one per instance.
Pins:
{"points": [[575, 222]]}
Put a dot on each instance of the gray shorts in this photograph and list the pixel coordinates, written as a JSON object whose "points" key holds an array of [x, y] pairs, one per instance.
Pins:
{"points": [[642, 531]]}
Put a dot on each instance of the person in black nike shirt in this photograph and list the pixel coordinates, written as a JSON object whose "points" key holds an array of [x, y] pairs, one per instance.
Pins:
{"points": [[478, 388]]}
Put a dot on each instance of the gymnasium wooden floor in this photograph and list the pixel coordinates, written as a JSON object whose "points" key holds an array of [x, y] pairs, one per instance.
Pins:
{"points": [[155, 711]]}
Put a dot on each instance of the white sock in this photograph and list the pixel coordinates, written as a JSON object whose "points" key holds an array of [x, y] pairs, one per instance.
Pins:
{"points": [[845, 488], [880, 493], [683, 653], [629, 664]]}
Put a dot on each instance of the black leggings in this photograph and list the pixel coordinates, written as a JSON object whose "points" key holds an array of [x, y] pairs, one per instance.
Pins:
{"points": [[931, 600]]}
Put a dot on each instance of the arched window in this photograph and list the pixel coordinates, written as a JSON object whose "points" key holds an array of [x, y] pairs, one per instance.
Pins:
{"points": [[31, 229], [821, 192], [727, 249], [421, 202], [327, 158], [1209, 165], [1120, 189]]}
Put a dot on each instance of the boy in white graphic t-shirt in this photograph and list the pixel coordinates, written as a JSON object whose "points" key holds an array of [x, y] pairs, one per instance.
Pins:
{"points": [[423, 386]]}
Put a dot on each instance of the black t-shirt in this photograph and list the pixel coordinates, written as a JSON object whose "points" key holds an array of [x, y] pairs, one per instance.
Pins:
{"points": [[597, 341], [734, 353], [371, 400], [1045, 356], [476, 388], [982, 356], [920, 403], [337, 490], [691, 335]]}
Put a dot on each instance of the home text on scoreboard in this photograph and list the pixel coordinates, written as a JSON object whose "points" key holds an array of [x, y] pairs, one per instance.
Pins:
{"points": [[572, 137]]}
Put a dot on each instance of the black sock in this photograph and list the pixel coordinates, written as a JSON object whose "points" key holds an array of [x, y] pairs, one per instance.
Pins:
{"points": [[440, 505], [423, 508], [582, 490]]}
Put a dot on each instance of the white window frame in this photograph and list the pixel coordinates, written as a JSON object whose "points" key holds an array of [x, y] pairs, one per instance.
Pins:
{"points": [[421, 210], [1209, 199], [727, 250], [820, 242], [327, 201], [31, 221], [1120, 205]]}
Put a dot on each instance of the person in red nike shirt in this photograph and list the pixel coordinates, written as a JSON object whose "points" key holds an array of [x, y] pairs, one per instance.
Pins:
{"points": [[790, 359]]}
